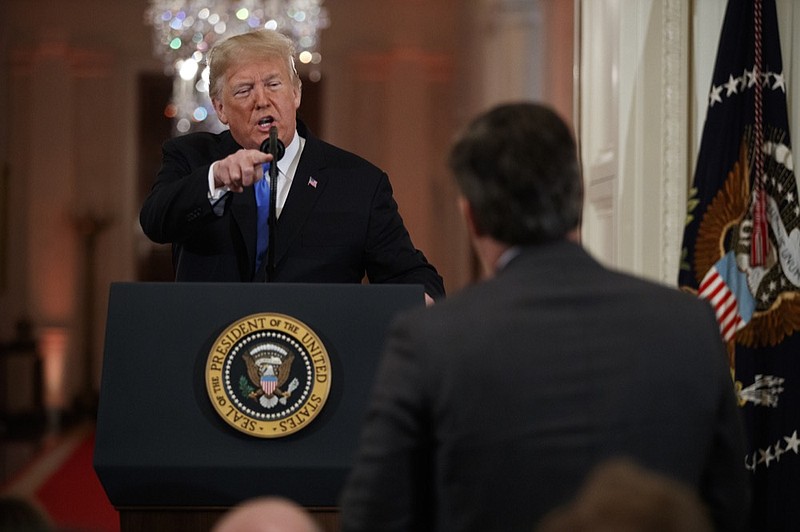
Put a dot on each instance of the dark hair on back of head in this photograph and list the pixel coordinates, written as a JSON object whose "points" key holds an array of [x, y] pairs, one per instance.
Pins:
{"points": [[517, 166]]}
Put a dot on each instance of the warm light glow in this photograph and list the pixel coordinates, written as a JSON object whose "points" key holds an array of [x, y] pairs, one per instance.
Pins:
{"points": [[53, 345], [171, 110], [305, 57]]}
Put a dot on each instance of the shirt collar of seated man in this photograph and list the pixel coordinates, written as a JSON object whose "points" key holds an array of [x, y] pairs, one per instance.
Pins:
{"points": [[492, 253]]}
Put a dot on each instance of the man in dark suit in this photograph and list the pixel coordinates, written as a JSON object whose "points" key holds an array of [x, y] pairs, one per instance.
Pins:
{"points": [[337, 220], [489, 409]]}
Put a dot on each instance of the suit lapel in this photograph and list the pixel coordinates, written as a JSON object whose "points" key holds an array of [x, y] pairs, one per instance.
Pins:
{"points": [[243, 210], [308, 185]]}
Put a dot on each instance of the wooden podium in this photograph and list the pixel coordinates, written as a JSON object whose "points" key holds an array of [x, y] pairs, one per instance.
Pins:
{"points": [[168, 459]]}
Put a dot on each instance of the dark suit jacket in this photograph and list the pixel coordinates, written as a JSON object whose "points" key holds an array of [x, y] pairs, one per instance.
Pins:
{"points": [[346, 226], [490, 408]]}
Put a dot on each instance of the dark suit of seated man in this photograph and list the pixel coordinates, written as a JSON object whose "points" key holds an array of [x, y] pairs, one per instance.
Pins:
{"points": [[337, 220], [489, 409]]}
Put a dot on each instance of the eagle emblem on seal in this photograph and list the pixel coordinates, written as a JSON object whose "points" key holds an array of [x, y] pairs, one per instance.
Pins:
{"points": [[269, 367]]}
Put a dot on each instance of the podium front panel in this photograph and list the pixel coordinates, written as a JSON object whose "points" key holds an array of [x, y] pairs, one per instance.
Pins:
{"points": [[159, 440]]}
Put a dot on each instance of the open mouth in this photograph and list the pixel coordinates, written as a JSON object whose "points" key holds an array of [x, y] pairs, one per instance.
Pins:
{"points": [[266, 122]]}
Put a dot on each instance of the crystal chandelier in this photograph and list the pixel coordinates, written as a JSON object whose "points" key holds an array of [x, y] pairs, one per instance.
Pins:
{"points": [[185, 30]]}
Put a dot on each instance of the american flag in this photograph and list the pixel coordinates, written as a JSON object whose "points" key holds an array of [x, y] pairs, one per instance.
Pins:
{"points": [[312, 182], [741, 250], [725, 286]]}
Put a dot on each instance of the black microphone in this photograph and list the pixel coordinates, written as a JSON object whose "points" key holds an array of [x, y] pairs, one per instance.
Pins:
{"points": [[275, 147]]}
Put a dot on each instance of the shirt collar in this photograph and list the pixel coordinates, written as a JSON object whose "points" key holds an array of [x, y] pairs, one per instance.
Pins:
{"points": [[507, 256], [289, 154]]}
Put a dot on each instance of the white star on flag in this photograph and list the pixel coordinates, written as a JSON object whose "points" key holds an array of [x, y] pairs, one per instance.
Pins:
{"points": [[714, 96]]}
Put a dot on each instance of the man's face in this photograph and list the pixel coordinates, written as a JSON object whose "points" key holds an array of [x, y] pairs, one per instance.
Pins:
{"points": [[258, 93]]}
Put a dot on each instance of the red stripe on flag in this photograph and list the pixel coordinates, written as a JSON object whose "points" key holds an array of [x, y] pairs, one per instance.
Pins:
{"points": [[727, 313], [711, 278], [728, 332]]}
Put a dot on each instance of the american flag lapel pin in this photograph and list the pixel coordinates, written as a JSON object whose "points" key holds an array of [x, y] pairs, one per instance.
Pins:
{"points": [[312, 182]]}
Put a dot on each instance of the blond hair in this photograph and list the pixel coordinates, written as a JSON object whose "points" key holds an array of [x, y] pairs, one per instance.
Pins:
{"points": [[243, 47]]}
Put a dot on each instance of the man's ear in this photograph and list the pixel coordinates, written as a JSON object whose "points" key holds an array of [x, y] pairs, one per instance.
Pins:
{"points": [[469, 216], [218, 107], [298, 95]]}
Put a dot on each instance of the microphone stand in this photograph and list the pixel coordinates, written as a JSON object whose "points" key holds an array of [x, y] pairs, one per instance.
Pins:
{"points": [[274, 146], [272, 219]]}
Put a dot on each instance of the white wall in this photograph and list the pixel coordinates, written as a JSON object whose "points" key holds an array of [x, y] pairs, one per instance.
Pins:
{"points": [[632, 101]]}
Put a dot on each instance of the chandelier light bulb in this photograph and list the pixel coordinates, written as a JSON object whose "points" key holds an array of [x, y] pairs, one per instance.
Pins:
{"points": [[188, 69]]}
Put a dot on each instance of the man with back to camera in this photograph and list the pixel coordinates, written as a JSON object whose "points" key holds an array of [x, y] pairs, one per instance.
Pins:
{"points": [[337, 219], [488, 410]]}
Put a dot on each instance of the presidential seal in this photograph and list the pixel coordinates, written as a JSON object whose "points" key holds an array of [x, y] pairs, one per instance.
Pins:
{"points": [[268, 375]]}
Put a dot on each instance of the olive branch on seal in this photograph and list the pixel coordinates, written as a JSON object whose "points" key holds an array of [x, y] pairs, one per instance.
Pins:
{"points": [[244, 386]]}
